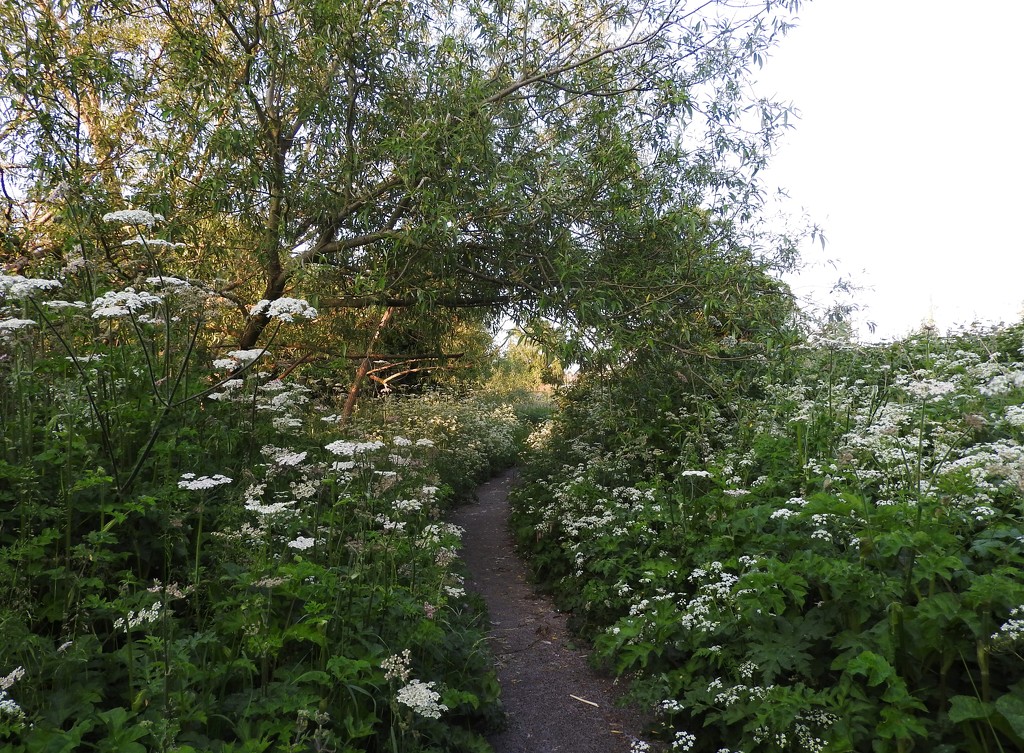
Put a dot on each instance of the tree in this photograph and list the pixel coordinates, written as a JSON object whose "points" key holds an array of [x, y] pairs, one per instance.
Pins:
{"points": [[511, 156]]}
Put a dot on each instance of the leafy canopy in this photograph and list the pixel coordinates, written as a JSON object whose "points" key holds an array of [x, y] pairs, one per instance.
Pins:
{"points": [[590, 163]]}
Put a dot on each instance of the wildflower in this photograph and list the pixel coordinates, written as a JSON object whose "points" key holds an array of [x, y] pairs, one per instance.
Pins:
{"points": [[695, 474], [272, 510], [269, 582], [16, 286], [115, 304], [65, 304], [171, 590], [13, 677], [284, 309], [11, 325], [421, 698], [302, 543], [151, 243], [397, 667], [142, 617], [190, 482], [247, 356], [684, 741], [1010, 632], [350, 449], [286, 423], [133, 217]]}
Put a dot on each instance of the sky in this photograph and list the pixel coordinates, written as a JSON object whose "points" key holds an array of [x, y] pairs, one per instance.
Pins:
{"points": [[908, 153]]}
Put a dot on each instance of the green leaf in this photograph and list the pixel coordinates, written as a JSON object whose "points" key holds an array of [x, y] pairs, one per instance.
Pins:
{"points": [[873, 666], [1011, 706], [963, 708]]}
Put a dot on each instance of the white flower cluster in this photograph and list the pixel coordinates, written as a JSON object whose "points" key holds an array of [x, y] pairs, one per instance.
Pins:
{"points": [[302, 543], [684, 741], [421, 698], [1014, 415], [1012, 630], [695, 474], [18, 287], [284, 309], [8, 707], [9, 326], [120, 303], [140, 240], [142, 617], [192, 483], [171, 590], [133, 217], [923, 388], [712, 594], [1002, 384], [347, 449], [278, 397], [238, 358], [282, 456], [397, 667]]}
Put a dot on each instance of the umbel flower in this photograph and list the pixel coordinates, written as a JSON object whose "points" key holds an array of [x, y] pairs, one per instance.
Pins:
{"points": [[190, 482], [119, 303], [421, 698], [285, 309], [133, 217], [20, 288]]}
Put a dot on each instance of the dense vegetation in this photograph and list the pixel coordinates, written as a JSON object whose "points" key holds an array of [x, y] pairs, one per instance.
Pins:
{"points": [[193, 558], [827, 556], [208, 543]]}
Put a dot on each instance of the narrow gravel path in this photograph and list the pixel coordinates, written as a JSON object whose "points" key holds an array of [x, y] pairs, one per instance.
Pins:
{"points": [[554, 701]]}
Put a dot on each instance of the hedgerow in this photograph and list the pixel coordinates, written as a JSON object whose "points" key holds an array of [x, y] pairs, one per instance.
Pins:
{"points": [[830, 559]]}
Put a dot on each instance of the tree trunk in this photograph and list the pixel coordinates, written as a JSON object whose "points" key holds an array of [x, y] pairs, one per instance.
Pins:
{"points": [[364, 368]]}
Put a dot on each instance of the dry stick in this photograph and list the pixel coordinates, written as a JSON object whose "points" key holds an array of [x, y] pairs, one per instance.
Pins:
{"points": [[364, 368]]}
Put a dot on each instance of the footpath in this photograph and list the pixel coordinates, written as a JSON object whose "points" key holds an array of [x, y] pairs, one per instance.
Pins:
{"points": [[555, 703]]}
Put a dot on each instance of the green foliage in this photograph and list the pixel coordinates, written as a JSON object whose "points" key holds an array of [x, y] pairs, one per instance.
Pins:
{"points": [[194, 558], [428, 157], [827, 556]]}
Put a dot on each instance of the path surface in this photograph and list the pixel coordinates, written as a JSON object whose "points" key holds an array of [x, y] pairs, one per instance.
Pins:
{"points": [[539, 671]]}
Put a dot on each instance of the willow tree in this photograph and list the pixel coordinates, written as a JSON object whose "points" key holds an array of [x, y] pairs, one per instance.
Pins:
{"points": [[528, 156]]}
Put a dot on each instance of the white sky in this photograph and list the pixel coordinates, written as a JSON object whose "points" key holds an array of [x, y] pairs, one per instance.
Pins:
{"points": [[909, 153]]}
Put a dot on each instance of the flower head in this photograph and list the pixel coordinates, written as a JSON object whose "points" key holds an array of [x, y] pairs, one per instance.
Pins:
{"points": [[119, 303], [133, 217], [16, 286], [285, 309], [421, 698], [190, 482]]}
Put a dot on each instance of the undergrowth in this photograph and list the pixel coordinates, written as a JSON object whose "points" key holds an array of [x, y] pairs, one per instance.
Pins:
{"points": [[828, 560], [193, 556]]}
